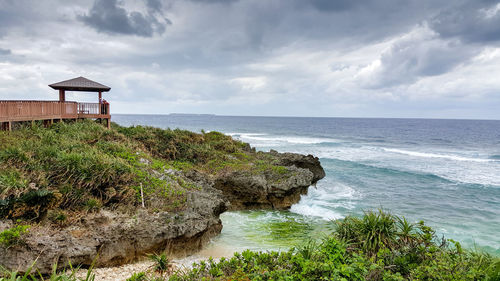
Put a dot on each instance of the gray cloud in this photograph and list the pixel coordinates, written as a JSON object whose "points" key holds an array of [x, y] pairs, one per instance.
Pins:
{"points": [[350, 22], [154, 5], [412, 58], [336, 5], [107, 16], [475, 21], [215, 1], [458, 30], [4, 52], [253, 56]]}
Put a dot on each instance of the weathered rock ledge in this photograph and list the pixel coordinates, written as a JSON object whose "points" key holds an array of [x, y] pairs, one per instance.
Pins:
{"points": [[119, 238], [271, 190]]}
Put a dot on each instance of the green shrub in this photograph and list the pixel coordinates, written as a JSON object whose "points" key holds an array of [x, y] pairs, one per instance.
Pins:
{"points": [[161, 263], [11, 181], [493, 271], [138, 276], [13, 235], [93, 205], [57, 216]]}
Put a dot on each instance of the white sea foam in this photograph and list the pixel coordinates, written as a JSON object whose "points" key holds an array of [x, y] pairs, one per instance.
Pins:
{"points": [[334, 191], [257, 139], [325, 202], [315, 211], [466, 168], [435, 155], [245, 134]]}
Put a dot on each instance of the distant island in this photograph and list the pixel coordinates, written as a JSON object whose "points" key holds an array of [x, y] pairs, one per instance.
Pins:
{"points": [[190, 114]]}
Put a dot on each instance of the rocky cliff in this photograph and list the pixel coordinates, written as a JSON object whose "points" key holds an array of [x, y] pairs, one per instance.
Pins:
{"points": [[117, 237], [271, 190], [119, 232]]}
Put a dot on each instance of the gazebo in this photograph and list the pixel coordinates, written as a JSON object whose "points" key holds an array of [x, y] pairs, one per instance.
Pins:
{"points": [[50, 111], [79, 84]]}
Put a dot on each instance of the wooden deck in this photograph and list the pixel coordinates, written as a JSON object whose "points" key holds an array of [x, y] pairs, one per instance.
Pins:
{"points": [[18, 111]]}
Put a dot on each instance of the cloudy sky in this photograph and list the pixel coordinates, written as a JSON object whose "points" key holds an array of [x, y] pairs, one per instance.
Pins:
{"points": [[339, 58]]}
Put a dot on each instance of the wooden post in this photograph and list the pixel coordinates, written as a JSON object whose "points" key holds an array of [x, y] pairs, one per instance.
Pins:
{"points": [[100, 102], [142, 197], [9, 126], [62, 96], [109, 123]]}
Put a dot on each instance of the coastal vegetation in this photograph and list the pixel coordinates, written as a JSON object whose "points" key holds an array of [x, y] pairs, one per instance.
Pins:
{"points": [[59, 173], [377, 246], [54, 178], [77, 190]]}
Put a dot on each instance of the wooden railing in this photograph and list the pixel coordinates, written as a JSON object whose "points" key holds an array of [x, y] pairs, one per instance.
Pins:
{"points": [[44, 110], [93, 109]]}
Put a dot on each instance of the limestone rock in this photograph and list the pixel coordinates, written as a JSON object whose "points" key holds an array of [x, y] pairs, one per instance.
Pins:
{"points": [[118, 238], [308, 162], [271, 190]]}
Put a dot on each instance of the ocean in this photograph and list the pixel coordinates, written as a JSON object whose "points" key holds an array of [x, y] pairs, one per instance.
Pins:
{"points": [[445, 172]]}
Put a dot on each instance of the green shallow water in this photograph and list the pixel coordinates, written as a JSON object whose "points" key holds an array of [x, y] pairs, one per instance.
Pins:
{"points": [[276, 231], [266, 230]]}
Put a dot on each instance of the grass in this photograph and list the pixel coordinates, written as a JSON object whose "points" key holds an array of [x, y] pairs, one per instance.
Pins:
{"points": [[30, 275], [161, 263], [83, 167], [138, 276]]}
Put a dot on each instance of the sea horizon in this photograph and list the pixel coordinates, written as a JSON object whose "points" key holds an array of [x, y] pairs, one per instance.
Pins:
{"points": [[443, 171], [290, 116]]}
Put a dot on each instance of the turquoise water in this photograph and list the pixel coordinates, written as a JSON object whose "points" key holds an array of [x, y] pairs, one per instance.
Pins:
{"points": [[445, 172]]}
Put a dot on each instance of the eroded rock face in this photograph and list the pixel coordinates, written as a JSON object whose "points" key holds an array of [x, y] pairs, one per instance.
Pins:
{"points": [[119, 238], [308, 162], [271, 190]]}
